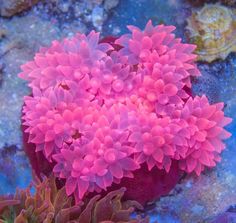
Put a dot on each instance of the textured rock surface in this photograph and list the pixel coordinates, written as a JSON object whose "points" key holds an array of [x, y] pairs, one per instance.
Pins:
{"points": [[11, 7], [202, 2]]}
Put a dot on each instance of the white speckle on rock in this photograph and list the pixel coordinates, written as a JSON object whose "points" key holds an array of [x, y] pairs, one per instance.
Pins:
{"points": [[116, 30], [188, 184], [98, 17], [32, 26], [110, 4], [197, 208], [64, 7]]}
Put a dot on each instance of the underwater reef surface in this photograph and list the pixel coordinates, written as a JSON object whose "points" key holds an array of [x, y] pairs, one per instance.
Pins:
{"points": [[194, 199]]}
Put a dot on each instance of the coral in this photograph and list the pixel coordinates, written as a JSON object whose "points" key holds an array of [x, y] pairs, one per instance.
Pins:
{"points": [[159, 182], [99, 111], [52, 205], [12, 7], [204, 133], [46, 203], [213, 28]]}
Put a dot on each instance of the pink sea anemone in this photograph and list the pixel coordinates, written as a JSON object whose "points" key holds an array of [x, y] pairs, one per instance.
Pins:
{"points": [[100, 111], [204, 134]]}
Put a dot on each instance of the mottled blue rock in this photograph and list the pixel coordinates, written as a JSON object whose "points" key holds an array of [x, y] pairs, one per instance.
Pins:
{"points": [[227, 217]]}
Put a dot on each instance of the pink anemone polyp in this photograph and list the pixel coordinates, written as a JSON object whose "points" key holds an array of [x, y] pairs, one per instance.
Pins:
{"points": [[101, 111]]}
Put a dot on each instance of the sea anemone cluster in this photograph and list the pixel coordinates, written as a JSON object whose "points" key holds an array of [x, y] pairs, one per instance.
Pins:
{"points": [[52, 205], [101, 110]]}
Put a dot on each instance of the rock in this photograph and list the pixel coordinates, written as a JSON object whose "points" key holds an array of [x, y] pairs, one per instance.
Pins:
{"points": [[229, 2], [98, 17], [202, 2], [206, 84], [64, 7], [97, 2], [1, 73], [110, 4], [229, 216], [11, 7], [3, 33], [14, 171]]}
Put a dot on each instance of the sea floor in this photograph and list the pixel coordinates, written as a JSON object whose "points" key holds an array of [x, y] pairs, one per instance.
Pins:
{"points": [[194, 199]]}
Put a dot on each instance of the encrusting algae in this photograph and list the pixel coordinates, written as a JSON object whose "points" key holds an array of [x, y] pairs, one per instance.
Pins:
{"points": [[213, 30]]}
